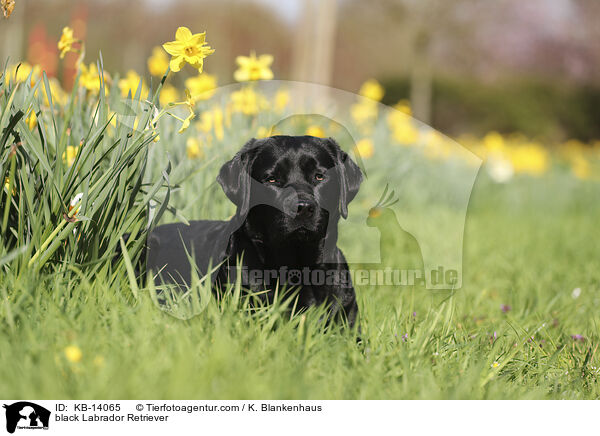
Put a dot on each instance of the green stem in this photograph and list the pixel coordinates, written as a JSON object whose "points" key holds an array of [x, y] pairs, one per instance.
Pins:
{"points": [[53, 235], [11, 182]]}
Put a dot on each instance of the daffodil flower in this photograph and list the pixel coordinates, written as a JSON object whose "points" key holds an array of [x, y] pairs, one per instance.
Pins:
{"points": [[73, 353], [65, 44], [7, 7], [282, 98], [168, 94], [193, 148], [158, 62], [253, 68], [187, 48], [365, 148], [90, 78], [130, 84], [202, 86], [70, 154], [372, 89], [316, 131], [186, 122], [189, 103], [247, 101]]}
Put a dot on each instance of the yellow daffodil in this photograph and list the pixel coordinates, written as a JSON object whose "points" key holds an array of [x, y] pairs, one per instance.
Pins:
{"points": [[253, 68], [201, 86], [90, 78], [580, 167], [364, 148], [263, 132], [529, 158], [168, 94], [402, 128], [7, 7], [406, 133], [372, 89], [193, 148], [7, 186], [316, 131], [73, 353], [404, 107], [31, 120], [396, 118], [187, 48], [494, 143], [65, 44], [130, 84], [158, 62], [70, 154], [24, 71], [189, 104], [577, 154], [59, 96], [247, 101], [364, 111], [186, 122], [282, 99]]}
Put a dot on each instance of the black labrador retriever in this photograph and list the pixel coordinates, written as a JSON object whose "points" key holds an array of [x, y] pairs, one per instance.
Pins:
{"points": [[290, 192]]}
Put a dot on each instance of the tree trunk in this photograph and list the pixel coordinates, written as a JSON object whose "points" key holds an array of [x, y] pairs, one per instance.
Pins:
{"points": [[421, 78]]}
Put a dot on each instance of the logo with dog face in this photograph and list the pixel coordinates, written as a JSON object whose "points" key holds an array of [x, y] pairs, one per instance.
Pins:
{"points": [[26, 415]]}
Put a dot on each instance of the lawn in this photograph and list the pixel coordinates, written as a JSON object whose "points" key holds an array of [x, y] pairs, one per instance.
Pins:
{"points": [[74, 323], [529, 256]]}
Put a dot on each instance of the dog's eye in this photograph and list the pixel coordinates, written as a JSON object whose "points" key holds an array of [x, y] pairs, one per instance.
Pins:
{"points": [[319, 177], [271, 179]]}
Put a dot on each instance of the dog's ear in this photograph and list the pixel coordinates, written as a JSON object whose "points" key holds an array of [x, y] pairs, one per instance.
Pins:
{"points": [[349, 175], [234, 177]]}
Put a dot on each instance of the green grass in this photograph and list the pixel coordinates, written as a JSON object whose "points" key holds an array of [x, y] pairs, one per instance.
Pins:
{"points": [[530, 260], [527, 244]]}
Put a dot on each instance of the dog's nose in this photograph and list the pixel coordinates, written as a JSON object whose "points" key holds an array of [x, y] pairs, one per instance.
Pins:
{"points": [[305, 207]]}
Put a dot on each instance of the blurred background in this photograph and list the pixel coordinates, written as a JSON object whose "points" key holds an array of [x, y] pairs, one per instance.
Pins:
{"points": [[466, 66]]}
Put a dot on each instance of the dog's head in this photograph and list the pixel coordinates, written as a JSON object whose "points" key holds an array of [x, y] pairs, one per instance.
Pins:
{"points": [[291, 184]]}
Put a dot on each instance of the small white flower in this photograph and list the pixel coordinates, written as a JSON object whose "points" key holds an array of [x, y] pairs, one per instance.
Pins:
{"points": [[500, 170], [576, 293], [75, 201]]}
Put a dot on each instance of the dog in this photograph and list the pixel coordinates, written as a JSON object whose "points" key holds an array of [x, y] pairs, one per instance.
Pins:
{"points": [[290, 192]]}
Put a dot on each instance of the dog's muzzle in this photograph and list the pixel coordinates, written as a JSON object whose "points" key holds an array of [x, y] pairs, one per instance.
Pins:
{"points": [[300, 206]]}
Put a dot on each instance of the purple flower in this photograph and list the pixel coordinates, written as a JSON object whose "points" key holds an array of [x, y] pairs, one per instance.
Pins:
{"points": [[578, 338], [405, 337], [505, 308], [414, 314]]}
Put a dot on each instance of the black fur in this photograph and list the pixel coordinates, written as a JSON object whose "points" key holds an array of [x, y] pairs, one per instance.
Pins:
{"points": [[290, 192]]}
